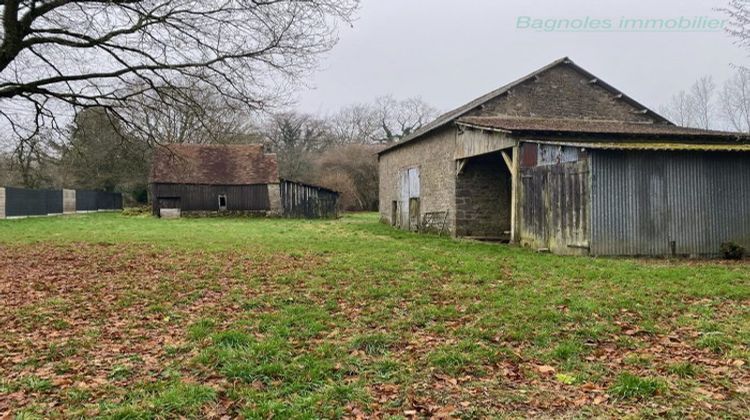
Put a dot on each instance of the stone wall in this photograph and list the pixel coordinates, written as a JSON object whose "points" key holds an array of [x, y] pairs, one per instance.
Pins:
{"points": [[561, 92], [274, 199], [483, 198], [2, 203], [434, 157]]}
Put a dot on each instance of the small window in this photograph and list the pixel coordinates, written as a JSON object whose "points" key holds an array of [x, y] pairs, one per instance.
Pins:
{"points": [[222, 202]]}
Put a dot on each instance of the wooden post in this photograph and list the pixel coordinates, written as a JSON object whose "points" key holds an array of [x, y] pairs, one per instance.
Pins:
{"points": [[515, 174]]}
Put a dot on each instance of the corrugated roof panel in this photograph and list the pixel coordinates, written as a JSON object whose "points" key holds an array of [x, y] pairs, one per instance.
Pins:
{"points": [[707, 147]]}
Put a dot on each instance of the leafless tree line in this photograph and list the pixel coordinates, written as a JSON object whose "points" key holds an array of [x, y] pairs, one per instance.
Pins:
{"points": [[338, 151], [710, 106], [59, 57]]}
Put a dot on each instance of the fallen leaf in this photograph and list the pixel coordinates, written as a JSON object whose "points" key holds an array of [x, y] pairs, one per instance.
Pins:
{"points": [[545, 369], [599, 399]]}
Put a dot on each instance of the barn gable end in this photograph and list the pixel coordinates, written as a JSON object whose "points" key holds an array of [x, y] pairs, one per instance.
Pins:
{"points": [[562, 90], [565, 91]]}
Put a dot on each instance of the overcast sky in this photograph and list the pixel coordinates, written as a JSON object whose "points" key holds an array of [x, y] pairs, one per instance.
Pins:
{"points": [[451, 51]]}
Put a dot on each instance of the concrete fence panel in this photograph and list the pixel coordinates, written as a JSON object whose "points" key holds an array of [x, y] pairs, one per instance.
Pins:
{"points": [[2, 203], [69, 201]]}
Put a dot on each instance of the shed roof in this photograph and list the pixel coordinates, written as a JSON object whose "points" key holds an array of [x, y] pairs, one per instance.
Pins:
{"points": [[213, 165], [593, 127], [459, 112]]}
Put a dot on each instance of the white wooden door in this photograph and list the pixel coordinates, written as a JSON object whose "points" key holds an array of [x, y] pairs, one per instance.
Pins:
{"points": [[409, 188]]}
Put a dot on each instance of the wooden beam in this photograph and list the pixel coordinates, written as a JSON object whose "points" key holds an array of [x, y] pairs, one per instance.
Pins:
{"points": [[515, 174], [508, 160], [460, 164]]}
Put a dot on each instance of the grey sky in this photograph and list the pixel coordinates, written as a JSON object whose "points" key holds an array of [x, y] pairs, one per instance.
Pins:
{"points": [[451, 51]]}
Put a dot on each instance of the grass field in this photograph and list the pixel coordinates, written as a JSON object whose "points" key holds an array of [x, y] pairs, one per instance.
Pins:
{"points": [[132, 317]]}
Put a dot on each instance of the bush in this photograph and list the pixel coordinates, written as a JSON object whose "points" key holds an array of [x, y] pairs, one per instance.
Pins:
{"points": [[732, 251], [137, 211]]}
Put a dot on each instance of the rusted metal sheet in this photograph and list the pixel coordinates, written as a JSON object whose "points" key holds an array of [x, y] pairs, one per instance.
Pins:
{"points": [[473, 142], [529, 155], [308, 201], [659, 203], [555, 207]]}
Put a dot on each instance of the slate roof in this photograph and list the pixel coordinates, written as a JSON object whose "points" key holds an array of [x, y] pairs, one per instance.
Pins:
{"points": [[213, 165], [549, 126], [459, 112]]}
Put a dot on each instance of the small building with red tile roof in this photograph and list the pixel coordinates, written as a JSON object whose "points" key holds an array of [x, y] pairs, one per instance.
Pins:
{"points": [[198, 178]]}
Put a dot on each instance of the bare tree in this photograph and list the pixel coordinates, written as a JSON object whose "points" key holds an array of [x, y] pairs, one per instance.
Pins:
{"points": [[355, 124], [696, 107], [738, 27], [735, 100], [7, 175], [399, 118], [386, 120], [187, 114], [295, 138], [702, 104], [32, 160], [61, 54], [352, 170], [680, 110]]}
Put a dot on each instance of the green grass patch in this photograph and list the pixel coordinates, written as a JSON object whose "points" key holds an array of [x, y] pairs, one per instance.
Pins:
{"points": [[327, 319], [629, 386], [683, 369], [373, 344]]}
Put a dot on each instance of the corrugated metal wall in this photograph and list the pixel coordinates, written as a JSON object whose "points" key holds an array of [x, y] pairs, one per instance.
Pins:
{"points": [[642, 202], [206, 197], [307, 201]]}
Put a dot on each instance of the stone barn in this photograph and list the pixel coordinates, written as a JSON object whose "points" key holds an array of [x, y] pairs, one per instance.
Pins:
{"points": [[560, 160], [241, 179]]}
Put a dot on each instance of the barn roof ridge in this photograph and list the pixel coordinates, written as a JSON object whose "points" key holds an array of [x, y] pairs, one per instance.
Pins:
{"points": [[461, 111]]}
